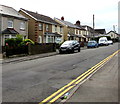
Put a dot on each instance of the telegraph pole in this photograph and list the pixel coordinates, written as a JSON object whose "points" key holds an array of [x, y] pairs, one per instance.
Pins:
{"points": [[93, 21], [114, 28], [93, 24]]}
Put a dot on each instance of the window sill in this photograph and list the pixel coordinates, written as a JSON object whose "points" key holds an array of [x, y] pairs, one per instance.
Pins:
{"points": [[22, 29]]}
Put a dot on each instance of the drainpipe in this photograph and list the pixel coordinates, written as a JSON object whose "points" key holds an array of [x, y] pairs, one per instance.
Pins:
{"points": [[43, 33]]}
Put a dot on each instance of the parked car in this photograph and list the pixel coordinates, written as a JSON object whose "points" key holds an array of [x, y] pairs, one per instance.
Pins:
{"points": [[92, 44], [103, 41], [110, 42], [69, 46]]}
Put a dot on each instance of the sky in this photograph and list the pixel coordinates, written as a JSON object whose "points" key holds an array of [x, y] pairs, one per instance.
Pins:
{"points": [[105, 11]]}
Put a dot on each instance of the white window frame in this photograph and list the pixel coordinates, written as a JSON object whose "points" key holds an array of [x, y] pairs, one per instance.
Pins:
{"points": [[47, 27], [50, 39], [10, 23], [40, 26], [40, 39], [9, 36], [55, 28], [13, 36], [22, 25], [6, 36]]}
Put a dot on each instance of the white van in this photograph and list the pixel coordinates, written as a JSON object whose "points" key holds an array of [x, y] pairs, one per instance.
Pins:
{"points": [[103, 41]]}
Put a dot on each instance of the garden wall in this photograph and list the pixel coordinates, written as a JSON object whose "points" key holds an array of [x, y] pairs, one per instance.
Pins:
{"points": [[41, 48], [30, 49]]}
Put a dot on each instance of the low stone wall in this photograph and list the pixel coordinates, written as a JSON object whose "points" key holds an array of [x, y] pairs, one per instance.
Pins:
{"points": [[41, 48]]}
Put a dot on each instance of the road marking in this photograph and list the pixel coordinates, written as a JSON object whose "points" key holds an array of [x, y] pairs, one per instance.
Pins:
{"points": [[55, 96]]}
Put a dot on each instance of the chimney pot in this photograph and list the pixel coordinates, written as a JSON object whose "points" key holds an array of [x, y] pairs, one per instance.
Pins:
{"points": [[78, 23], [62, 18]]}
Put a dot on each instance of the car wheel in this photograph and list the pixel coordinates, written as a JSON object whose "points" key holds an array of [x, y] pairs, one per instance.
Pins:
{"points": [[60, 52], [79, 49], [72, 50]]}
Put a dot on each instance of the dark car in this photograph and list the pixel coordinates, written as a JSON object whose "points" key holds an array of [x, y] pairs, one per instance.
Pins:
{"points": [[92, 44], [69, 46]]}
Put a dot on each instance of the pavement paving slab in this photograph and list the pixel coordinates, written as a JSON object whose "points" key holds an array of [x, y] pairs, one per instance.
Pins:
{"points": [[101, 87]]}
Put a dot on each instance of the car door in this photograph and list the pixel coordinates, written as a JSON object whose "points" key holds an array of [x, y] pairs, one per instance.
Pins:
{"points": [[76, 46]]}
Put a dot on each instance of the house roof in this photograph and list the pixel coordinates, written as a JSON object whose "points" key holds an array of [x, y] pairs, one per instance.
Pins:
{"points": [[113, 32], [9, 31], [40, 17], [9, 11], [88, 28], [101, 31], [69, 24], [80, 27]]}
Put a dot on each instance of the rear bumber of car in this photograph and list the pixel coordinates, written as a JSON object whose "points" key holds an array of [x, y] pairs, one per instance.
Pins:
{"points": [[91, 46], [103, 44]]}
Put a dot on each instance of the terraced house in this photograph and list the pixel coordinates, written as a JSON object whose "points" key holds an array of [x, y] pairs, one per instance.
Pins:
{"points": [[12, 23], [90, 32], [41, 28], [81, 32], [71, 31]]}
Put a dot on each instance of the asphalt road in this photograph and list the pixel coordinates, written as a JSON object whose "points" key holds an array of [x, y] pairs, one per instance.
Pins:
{"points": [[34, 80]]}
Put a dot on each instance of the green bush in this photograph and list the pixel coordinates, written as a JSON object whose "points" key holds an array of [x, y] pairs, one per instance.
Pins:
{"points": [[29, 41], [19, 39], [17, 42], [13, 42], [26, 42], [10, 42]]}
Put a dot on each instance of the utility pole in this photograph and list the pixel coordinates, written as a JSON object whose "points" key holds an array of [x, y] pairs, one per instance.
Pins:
{"points": [[93, 21], [93, 25], [114, 28]]}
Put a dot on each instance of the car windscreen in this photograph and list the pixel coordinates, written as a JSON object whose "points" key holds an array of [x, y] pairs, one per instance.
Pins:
{"points": [[67, 43], [102, 40], [91, 42]]}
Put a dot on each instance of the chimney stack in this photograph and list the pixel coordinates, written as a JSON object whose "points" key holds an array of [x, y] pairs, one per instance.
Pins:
{"points": [[78, 23], [62, 18]]}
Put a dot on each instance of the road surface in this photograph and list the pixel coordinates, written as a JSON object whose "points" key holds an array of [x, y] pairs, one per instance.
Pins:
{"points": [[34, 80]]}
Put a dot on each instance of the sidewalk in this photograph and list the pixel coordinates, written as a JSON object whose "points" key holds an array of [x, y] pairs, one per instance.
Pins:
{"points": [[1, 56], [29, 57], [101, 87], [32, 57]]}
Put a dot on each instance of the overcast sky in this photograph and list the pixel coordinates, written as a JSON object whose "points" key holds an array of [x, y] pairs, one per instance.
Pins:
{"points": [[105, 11]]}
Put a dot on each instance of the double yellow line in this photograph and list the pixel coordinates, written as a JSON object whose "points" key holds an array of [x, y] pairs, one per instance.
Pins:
{"points": [[55, 96]]}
